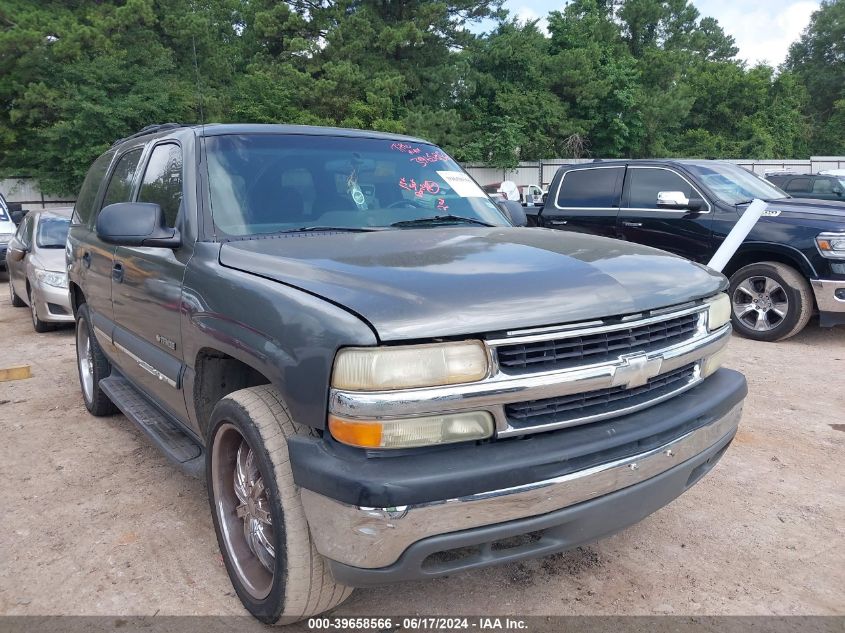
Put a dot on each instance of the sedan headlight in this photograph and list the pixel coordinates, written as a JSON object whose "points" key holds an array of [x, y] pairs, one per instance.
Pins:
{"points": [[50, 278], [409, 366], [718, 311], [831, 245]]}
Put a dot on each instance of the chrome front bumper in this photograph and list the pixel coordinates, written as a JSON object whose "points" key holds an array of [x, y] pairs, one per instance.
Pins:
{"points": [[825, 291], [371, 538]]}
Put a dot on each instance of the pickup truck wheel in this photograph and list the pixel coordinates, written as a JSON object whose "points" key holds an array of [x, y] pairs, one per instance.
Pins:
{"points": [[93, 366], [17, 302], [258, 516], [771, 301]]}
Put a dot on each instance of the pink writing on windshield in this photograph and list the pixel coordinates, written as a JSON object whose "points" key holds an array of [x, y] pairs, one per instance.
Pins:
{"points": [[441, 204], [404, 147], [430, 157], [419, 190]]}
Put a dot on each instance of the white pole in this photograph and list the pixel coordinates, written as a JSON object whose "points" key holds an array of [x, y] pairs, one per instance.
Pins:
{"points": [[738, 233]]}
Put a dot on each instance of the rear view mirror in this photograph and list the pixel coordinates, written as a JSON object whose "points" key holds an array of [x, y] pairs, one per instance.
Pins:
{"points": [[514, 210], [136, 224]]}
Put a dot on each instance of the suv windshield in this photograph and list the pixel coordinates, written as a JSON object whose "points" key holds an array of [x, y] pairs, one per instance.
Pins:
{"points": [[52, 232], [272, 183], [735, 185]]}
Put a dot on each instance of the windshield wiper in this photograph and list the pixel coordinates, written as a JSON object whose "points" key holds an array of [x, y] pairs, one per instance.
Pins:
{"points": [[350, 229], [440, 219]]}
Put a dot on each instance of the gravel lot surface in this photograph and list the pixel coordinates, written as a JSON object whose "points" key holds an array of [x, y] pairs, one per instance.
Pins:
{"points": [[95, 521]]}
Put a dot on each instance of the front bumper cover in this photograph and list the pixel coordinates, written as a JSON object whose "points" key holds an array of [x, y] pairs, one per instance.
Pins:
{"points": [[464, 501], [831, 308]]}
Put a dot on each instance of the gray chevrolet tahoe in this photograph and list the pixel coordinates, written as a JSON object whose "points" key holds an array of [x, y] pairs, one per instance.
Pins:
{"points": [[380, 376]]}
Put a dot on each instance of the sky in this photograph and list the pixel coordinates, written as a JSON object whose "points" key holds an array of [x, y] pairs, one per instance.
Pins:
{"points": [[763, 29]]}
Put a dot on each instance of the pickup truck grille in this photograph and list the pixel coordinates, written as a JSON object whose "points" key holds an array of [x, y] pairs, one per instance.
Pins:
{"points": [[596, 347], [603, 402]]}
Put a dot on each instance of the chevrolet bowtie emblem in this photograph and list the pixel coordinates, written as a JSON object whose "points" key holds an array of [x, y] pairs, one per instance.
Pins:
{"points": [[636, 370]]}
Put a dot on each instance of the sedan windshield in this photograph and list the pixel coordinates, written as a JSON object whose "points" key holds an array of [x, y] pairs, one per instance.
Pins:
{"points": [[267, 183], [735, 185], [52, 232]]}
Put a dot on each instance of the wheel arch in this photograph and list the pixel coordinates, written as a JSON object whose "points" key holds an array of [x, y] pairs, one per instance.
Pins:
{"points": [[216, 374], [77, 298], [756, 252]]}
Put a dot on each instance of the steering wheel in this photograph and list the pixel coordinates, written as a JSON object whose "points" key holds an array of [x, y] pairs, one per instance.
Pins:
{"points": [[412, 204]]}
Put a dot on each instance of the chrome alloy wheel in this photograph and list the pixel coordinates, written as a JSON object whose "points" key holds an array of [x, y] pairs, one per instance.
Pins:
{"points": [[760, 303], [85, 359], [243, 510]]}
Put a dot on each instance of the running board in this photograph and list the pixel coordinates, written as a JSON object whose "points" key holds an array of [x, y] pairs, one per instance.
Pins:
{"points": [[178, 446]]}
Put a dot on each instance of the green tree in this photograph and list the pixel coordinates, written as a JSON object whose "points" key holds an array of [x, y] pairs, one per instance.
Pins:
{"points": [[818, 61]]}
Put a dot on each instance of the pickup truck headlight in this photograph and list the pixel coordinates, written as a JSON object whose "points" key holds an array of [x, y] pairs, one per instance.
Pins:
{"points": [[412, 432], [409, 366], [718, 311], [50, 278], [831, 245]]}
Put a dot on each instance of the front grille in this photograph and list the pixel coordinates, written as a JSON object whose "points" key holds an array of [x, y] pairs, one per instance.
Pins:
{"points": [[603, 402], [598, 347]]}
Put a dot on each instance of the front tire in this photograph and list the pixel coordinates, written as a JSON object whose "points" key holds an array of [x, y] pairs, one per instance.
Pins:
{"points": [[17, 302], [92, 366], [770, 301], [257, 512], [37, 324]]}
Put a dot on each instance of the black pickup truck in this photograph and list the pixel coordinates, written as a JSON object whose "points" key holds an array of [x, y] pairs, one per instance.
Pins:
{"points": [[791, 265], [380, 377]]}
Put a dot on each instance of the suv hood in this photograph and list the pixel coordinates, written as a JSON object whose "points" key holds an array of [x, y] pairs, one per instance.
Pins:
{"points": [[425, 283]]}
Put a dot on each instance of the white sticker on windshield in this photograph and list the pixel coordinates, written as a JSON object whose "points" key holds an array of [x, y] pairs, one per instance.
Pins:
{"points": [[462, 184]]}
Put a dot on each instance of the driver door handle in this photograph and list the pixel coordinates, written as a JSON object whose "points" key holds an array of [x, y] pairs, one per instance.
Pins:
{"points": [[117, 272], [633, 225], [557, 222]]}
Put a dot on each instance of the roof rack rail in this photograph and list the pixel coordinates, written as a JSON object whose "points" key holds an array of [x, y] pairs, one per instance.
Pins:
{"points": [[149, 129]]}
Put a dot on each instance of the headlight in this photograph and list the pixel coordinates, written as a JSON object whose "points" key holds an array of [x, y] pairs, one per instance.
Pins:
{"points": [[831, 245], [411, 432], [57, 280], [5, 238], [409, 366], [718, 311]]}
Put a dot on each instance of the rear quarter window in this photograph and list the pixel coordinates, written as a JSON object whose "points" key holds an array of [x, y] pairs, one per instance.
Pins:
{"points": [[84, 207], [597, 187]]}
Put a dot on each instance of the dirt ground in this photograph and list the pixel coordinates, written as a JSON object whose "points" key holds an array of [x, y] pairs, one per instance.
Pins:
{"points": [[95, 521]]}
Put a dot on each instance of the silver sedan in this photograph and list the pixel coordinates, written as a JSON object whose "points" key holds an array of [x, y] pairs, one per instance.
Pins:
{"points": [[35, 261]]}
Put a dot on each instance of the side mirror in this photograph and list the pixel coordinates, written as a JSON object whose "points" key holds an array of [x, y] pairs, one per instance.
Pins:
{"points": [[514, 210], [16, 253], [136, 224], [677, 200]]}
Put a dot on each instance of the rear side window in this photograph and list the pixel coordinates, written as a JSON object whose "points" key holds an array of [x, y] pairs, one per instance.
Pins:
{"points": [[84, 207], [591, 188], [823, 185], [120, 185], [163, 181], [798, 185], [645, 184]]}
